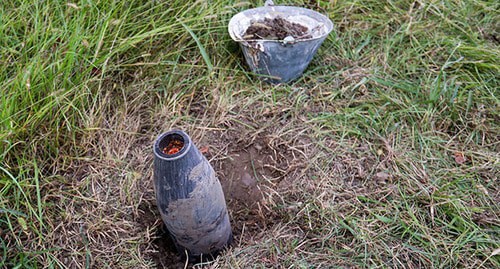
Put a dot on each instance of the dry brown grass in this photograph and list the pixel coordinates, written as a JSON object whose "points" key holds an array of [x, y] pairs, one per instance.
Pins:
{"points": [[318, 200]]}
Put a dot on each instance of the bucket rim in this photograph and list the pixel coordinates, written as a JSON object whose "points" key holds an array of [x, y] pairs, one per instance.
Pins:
{"points": [[329, 25]]}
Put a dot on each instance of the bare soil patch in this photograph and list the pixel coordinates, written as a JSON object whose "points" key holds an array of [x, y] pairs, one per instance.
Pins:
{"points": [[276, 29], [245, 174]]}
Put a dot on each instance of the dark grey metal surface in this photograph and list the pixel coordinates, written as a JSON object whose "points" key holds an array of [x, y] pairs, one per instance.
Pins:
{"points": [[190, 198]]}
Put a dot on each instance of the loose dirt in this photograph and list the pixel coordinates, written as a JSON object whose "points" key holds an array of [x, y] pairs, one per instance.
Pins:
{"points": [[245, 172], [276, 29]]}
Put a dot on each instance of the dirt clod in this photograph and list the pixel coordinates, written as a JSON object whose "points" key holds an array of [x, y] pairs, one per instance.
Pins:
{"points": [[276, 29], [248, 180]]}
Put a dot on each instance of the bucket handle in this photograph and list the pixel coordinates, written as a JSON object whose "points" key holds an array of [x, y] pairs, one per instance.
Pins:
{"points": [[269, 3]]}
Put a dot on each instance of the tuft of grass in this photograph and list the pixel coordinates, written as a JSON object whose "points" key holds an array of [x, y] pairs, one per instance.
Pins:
{"points": [[383, 154]]}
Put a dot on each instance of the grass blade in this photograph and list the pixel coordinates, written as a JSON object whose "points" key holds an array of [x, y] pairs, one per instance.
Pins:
{"points": [[203, 52]]}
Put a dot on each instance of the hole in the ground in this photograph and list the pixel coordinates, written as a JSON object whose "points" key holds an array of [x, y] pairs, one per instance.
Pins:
{"points": [[167, 256]]}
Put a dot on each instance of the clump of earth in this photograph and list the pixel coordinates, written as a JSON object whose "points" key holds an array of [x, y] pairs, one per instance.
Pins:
{"points": [[276, 29]]}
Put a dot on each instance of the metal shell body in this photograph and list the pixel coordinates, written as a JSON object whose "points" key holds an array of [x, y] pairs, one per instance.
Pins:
{"points": [[190, 198]]}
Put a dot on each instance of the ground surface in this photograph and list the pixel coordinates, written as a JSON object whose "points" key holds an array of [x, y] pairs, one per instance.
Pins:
{"points": [[384, 154]]}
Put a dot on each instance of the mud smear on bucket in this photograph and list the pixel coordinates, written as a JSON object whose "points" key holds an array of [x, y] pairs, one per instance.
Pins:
{"points": [[276, 29]]}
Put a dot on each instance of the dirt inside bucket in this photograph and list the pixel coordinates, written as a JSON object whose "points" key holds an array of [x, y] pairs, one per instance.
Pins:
{"points": [[276, 29]]}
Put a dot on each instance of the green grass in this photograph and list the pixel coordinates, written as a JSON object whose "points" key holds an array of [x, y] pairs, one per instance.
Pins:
{"points": [[367, 137]]}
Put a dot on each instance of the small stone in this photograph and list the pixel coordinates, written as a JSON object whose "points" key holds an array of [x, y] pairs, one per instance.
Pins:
{"points": [[248, 180], [258, 147], [288, 39], [382, 177]]}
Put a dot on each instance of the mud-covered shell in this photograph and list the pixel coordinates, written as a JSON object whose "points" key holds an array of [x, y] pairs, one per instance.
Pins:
{"points": [[190, 198]]}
